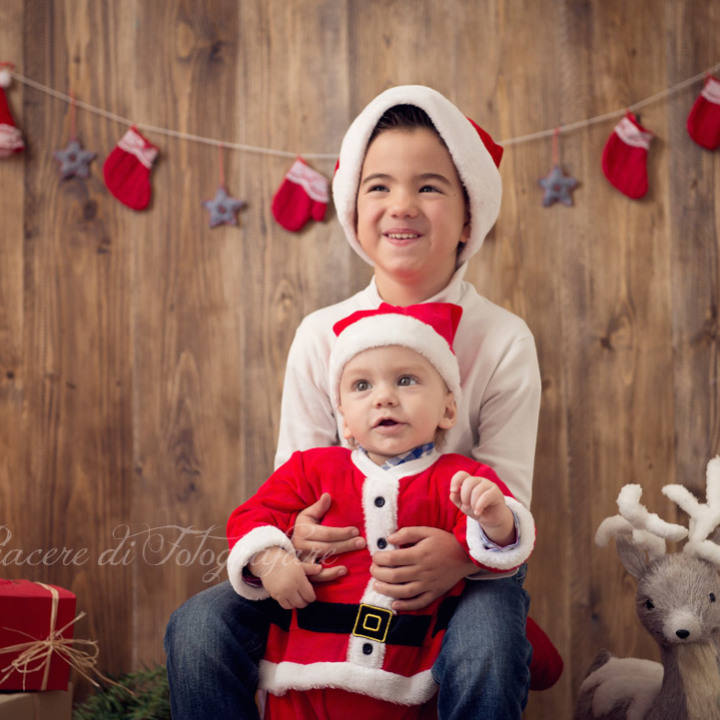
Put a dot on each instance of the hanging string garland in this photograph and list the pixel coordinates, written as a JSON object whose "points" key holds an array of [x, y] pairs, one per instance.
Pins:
{"points": [[303, 195], [74, 161], [580, 124], [223, 208]]}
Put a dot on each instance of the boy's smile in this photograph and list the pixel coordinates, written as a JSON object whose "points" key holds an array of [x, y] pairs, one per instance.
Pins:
{"points": [[411, 213], [393, 400]]}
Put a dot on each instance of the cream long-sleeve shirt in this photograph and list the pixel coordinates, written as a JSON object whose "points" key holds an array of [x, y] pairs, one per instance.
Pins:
{"points": [[499, 375]]}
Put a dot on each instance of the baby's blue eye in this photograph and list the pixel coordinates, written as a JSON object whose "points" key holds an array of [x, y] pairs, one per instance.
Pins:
{"points": [[406, 380], [361, 385]]}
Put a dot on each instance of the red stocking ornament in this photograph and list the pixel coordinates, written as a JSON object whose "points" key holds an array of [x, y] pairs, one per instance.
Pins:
{"points": [[127, 170], [703, 122], [303, 194], [11, 141], [624, 159]]}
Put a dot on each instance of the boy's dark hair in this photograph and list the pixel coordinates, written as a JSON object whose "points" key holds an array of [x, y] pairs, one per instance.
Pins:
{"points": [[404, 117]]}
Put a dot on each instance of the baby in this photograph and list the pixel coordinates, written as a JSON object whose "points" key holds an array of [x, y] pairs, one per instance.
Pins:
{"points": [[339, 646]]}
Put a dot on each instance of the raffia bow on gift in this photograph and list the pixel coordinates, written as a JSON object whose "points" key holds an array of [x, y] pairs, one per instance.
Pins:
{"points": [[36, 654]]}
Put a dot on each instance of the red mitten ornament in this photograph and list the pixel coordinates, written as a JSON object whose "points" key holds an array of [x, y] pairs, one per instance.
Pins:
{"points": [[303, 194], [11, 141], [127, 170], [624, 159], [703, 122]]}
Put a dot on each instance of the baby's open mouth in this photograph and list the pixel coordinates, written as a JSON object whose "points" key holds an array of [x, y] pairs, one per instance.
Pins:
{"points": [[386, 422]]}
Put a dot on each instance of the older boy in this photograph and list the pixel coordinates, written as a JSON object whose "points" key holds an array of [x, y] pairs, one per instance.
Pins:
{"points": [[416, 190], [394, 379]]}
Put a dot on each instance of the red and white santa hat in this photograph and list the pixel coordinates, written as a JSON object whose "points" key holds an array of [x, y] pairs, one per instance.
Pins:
{"points": [[475, 154], [428, 329]]}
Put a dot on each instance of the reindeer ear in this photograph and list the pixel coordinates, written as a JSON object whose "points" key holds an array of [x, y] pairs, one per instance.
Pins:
{"points": [[631, 556]]}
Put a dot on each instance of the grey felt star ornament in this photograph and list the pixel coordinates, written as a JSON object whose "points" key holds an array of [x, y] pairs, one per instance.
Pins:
{"points": [[223, 208], [74, 160], [557, 187]]}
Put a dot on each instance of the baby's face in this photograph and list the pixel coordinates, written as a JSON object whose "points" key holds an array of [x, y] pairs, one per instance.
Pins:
{"points": [[411, 209], [392, 400]]}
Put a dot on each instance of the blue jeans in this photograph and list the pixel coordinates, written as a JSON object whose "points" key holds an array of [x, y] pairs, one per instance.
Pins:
{"points": [[484, 666], [215, 640]]}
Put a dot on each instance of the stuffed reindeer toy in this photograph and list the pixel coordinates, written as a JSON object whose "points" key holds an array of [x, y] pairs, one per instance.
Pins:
{"points": [[678, 603]]}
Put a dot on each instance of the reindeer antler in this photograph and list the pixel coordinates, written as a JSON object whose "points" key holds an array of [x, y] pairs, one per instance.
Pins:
{"points": [[704, 517], [647, 529]]}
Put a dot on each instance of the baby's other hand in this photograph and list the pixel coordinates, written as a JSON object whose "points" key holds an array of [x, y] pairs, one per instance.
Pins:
{"points": [[482, 500], [284, 576]]}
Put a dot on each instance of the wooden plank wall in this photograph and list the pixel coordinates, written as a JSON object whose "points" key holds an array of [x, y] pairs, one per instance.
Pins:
{"points": [[142, 353]]}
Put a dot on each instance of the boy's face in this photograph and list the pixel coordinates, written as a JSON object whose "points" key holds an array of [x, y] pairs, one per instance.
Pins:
{"points": [[411, 211], [393, 400]]}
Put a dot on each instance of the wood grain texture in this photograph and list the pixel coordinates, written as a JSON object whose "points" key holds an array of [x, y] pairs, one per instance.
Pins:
{"points": [[142, 353], [13, 383]]}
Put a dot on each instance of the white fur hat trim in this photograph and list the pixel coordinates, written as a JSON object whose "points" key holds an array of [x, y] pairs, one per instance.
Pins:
{"points": [[393, 329]]}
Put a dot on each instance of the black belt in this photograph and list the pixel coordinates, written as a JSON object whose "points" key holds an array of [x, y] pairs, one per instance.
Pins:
{"points": [[367, 621]]}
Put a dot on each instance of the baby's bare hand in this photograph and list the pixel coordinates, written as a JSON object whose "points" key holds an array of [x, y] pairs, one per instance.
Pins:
{"points": [[285, 577], [482, 500], [476, 496]]}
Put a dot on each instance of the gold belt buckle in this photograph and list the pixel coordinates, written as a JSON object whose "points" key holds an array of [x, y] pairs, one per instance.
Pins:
{"points": [[372, 622]]}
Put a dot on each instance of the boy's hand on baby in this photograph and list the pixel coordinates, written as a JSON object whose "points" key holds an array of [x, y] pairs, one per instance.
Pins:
{"points": [[482, 500], [428, 562], [313, 541], [285, 577]]}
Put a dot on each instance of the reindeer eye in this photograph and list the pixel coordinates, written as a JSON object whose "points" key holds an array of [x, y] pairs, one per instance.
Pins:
{"points": [[712, 597], [649, 604]]}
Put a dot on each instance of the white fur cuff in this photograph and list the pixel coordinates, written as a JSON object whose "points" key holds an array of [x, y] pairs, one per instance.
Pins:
{"points": [[260, 538], [499, 559]]}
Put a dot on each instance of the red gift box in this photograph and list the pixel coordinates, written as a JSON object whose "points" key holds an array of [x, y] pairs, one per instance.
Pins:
{"points": [[36, 625]]}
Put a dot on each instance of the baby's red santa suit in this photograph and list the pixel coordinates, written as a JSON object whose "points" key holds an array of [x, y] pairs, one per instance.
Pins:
{"points": [[350, 640]]}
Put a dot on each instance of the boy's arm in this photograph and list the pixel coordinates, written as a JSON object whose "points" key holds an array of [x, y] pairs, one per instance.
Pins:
{"points": [[306, 415], [508, 419]]}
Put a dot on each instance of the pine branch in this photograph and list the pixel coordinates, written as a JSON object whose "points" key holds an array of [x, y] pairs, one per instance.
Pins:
{"points": [[150, 698]]}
